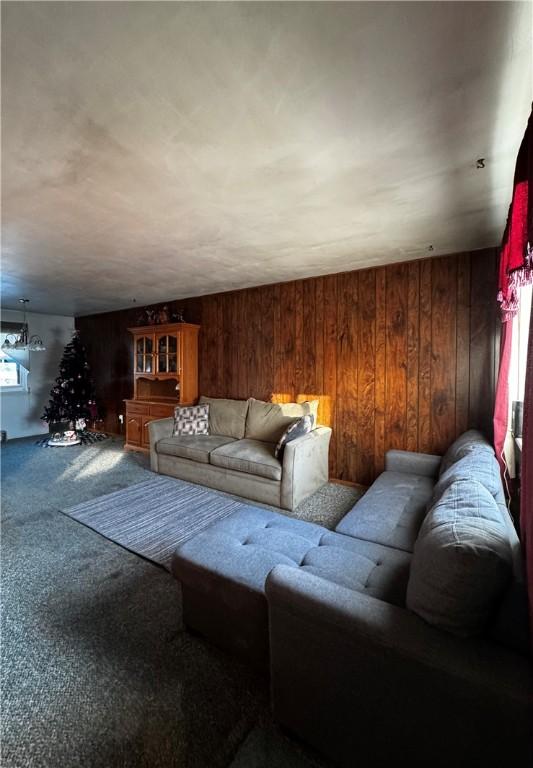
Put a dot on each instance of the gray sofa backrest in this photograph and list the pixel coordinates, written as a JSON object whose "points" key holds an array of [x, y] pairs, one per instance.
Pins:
{"points": [[465, 443], [462, 561], [226, 417], [268, 421], [471, 458], [255, 419]]}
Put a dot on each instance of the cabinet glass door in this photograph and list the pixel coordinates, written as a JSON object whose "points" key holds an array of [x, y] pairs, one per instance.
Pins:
{"points": [[144, 354], [167, 353]]}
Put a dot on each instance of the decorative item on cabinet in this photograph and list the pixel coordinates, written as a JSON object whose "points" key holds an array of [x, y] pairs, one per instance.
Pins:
{"points": [[165, 374], [161, 316]]}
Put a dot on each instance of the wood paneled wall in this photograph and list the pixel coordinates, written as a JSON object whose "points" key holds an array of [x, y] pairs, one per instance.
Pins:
{"points": [[401, 356]]}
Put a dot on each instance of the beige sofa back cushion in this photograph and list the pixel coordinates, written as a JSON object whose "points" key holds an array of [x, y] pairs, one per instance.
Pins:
{"points": [[226, 417], [268, 421]]}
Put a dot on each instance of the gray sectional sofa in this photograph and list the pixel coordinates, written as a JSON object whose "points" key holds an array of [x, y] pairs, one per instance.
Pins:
{"points": [[237, 456], [402, 635]]}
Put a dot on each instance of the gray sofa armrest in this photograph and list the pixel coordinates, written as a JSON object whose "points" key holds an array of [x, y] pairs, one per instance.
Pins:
{"points": [[305, 466], [347, 668], [426, 464], [158, 430]]}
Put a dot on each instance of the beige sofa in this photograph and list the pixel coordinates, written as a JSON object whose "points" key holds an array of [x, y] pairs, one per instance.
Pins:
{"points": [[238, 454]]}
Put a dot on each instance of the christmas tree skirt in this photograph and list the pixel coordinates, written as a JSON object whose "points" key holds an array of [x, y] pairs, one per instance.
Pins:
{"points": [[86, 438]]}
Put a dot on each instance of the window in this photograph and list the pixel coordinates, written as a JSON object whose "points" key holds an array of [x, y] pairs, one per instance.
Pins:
{"points": [[9, 372], [517, 369], [13, 375], [517, 377]]}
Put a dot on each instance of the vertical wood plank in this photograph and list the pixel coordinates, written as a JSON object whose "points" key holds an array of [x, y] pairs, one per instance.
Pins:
{"points": [[366, 350], [308, 381], [424, 361], [210, 340], [253, 322], [319, 349], [413, 316], [266, 350], [277, 357], [203, 348], [396, 358], [347, 335], [298, 337], [330, 366], [214, 337], [462, 355], [220, 340], [347, 289], [287, 373], [380, 370], [243, 390], [227, 351], [443, 352], [483, 314]]}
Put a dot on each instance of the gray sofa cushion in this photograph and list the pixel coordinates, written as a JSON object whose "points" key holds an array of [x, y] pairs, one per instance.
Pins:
{"points": [[194, 447], [226, 417], [480, 465], [472, 440], [251, 456], [245, 546], [462, 561], [391, 511], [381, 572], [223, 571], [268, 421]]}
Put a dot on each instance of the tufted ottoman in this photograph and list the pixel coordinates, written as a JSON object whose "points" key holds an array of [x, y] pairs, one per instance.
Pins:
{"points": [[223, 572]]}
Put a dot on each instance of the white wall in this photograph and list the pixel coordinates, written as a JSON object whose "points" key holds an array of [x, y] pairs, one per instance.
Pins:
{"points": [[20, 412]]}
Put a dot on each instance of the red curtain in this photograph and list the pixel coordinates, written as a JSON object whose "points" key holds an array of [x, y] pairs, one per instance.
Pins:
{"points": [[516, 255], [516, 269], [501, 402]]}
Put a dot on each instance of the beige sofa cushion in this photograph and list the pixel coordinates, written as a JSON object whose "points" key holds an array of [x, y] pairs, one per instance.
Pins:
{"points": [[194, 447], [251, 456], [226, 417], [268, 421]]}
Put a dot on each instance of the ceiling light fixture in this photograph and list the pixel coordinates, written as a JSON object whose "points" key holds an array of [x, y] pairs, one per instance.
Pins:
{"points": [[19, 342]]}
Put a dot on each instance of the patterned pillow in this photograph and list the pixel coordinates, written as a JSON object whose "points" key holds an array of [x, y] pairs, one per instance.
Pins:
{"points": [[297, 429], [191, 420]]}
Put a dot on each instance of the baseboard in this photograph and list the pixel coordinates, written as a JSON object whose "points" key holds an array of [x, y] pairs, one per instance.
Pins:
{"points": [[348, 483]]}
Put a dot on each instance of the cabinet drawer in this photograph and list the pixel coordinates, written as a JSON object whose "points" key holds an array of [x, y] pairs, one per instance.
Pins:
{"points": [[137, 408], [161, 411]]}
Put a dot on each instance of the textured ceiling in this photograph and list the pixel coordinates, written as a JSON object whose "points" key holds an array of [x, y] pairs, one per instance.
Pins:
{"points": [[162, 150]]}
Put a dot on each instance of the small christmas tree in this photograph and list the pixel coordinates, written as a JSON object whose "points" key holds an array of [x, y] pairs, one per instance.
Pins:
{"points": [[72, 396]]}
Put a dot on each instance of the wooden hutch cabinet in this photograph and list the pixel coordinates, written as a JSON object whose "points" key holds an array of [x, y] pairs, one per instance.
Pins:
{"points": [[165, 374]]}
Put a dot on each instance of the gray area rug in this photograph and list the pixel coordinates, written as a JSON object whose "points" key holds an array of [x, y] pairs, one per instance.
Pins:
{"points": [[154, 517], [97, 669]]}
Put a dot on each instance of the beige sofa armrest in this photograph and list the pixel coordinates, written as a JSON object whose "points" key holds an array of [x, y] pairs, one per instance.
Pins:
{"points": [[305, 467], [158, 430]]}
